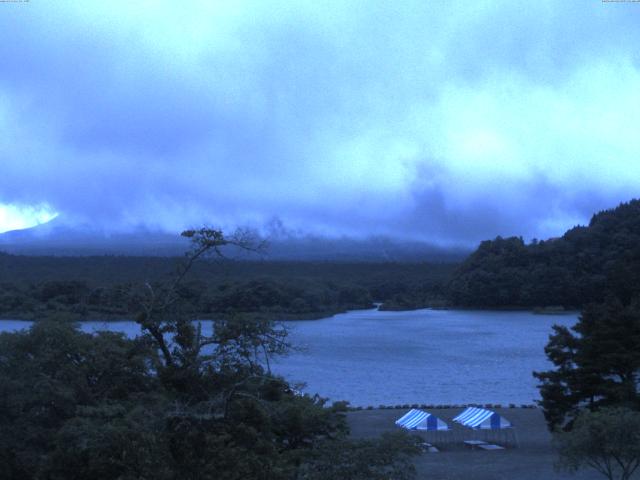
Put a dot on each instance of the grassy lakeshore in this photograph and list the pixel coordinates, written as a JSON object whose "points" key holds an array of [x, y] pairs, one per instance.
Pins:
{"points": [[532, 460]]}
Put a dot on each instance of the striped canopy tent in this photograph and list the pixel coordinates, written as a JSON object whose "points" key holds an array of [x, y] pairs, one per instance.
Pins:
{"points": [[482, 419], [421, 420]]}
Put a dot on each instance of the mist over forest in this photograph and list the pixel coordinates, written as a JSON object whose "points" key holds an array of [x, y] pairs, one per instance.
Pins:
{"points": [[58, 239]]}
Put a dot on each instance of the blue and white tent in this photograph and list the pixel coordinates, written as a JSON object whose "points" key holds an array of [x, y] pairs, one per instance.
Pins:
{"points": [[482, 419], [421, 420]]}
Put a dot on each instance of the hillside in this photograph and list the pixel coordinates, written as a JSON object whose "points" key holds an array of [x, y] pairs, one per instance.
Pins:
{"points": [[584, 265]]}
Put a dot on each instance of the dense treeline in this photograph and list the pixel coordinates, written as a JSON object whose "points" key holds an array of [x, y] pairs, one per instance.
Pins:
{"points": [[585, 265], [76, 406], [103, 287], [173, 403]]}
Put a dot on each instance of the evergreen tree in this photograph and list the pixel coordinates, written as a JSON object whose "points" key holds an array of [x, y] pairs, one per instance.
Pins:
{"points": [[597, 363]]}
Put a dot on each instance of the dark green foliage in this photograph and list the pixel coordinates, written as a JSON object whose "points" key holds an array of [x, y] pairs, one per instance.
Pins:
{"points": [[597, 364], [76, 406], [416, 295], [607, 440], [365, 460], [301, 298], [103, 287], [584, 265], [56, 380], [170, 404]]}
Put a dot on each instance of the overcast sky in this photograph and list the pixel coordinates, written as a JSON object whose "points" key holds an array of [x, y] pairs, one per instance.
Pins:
{"points": [[438, 120]]}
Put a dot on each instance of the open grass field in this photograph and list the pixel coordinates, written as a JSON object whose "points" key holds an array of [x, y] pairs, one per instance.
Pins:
{"points": [[533, 459]]}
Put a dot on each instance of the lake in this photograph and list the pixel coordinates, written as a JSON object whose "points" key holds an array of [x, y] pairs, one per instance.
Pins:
{"points": [[376, 358]]}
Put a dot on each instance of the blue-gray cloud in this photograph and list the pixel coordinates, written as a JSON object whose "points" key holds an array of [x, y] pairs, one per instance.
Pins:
{"points": [[446, 121]]}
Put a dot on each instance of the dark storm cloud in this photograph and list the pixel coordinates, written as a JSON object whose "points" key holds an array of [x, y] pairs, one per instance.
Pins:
{"points": [[537, 209], [327, 116]]}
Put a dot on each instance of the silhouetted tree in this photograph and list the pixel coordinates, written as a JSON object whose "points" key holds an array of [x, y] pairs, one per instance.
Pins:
{"points": [[597, 363], [607, 440]]}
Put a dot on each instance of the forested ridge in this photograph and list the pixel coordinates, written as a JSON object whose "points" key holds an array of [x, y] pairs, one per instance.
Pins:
{"points": [[105, 287], [585, 265]]}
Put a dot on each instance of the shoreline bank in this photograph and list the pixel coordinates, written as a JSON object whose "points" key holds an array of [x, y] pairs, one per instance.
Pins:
{"points": [[287, 317]]}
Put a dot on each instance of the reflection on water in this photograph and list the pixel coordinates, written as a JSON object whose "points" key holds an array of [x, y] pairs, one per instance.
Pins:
{"points": [[423, 356]]}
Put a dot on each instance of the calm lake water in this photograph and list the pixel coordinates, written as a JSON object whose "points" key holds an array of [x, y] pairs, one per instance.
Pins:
{"points": [[424, 356]]}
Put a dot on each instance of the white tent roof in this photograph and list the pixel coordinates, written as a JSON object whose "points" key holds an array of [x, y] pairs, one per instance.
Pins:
{"points": [[421, 420], [482, 419]]}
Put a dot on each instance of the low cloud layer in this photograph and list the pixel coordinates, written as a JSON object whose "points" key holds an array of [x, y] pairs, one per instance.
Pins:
{"points": [[442, 121]]}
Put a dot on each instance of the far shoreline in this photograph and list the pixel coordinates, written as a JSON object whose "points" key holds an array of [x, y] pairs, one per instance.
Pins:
{"points": [[312, 316]]}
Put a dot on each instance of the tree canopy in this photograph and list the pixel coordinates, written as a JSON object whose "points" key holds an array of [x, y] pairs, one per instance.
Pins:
{"points": [[584, 265], [172, 403], [607, 440], [597, 363], [32, 288]]}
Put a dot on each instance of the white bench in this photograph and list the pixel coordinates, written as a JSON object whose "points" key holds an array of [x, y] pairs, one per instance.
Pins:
{"points": [[490, 446], [474, 443]]}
